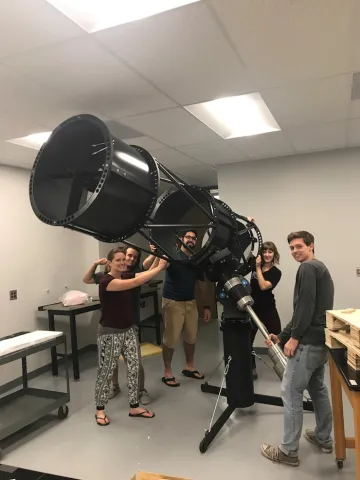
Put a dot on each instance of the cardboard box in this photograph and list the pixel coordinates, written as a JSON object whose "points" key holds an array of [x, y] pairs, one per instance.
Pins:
{"points": [[155, 476]]}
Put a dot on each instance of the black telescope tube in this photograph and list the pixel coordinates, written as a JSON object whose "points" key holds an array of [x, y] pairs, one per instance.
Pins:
{"points": [[87, 180]]}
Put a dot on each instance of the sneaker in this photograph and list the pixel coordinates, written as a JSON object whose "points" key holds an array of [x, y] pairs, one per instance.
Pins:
{"points": [[114, 391], [144, 397], [311, 437], [276, 455]]}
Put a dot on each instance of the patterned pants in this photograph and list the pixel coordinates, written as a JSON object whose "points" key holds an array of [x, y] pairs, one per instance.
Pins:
{"points": [[109, 349]]}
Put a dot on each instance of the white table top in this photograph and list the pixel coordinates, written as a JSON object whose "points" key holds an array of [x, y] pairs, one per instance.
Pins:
{"points": [[12, 345]]}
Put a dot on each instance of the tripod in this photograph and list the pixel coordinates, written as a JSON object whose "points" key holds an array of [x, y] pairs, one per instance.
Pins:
{"points": [[236, 328]]}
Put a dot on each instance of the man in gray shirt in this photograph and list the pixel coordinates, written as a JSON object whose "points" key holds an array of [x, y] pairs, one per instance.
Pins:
{"points": [[303, 340]]}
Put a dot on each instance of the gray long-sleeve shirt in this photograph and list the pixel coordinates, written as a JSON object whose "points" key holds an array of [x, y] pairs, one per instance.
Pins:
{"points": [[313, 295]]}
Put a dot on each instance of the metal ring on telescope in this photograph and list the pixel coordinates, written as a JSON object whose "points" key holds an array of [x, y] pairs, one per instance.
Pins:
{"points": [[87, 180], [194, 209]]}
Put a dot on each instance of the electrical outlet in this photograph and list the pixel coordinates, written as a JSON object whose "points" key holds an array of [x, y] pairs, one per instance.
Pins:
{"points": [[358, 271], [13, 294]]}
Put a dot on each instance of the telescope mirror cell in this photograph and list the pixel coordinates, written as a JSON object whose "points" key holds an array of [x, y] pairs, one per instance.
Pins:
{"points": [[87, 180]]}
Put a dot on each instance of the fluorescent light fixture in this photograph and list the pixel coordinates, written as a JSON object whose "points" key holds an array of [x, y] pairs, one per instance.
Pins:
{"points": [[34, 141], [233, 117], [95, 15]]}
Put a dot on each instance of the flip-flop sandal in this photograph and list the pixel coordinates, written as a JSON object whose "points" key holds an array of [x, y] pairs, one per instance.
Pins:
{"points": [[105, 419], [166, 380], [193, 374], [142, 414]]}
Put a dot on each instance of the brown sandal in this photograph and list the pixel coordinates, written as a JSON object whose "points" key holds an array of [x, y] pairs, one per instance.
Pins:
{"points": [[105, 419]]}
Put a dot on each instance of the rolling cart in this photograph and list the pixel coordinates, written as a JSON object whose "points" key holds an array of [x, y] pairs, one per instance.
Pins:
{"points": [[27, 405]]}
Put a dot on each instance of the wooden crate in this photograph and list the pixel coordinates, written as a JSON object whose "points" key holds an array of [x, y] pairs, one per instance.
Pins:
{"points": [[345, 320], [155, 476]]}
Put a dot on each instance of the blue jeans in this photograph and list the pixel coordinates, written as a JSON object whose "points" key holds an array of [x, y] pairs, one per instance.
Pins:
{"points": [[305, 371]]}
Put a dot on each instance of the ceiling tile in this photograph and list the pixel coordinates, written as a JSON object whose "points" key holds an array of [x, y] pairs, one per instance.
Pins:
{"points": [[183, 52], [13, 128], [353, 132], [315, 102], [147, 143], [29, 24], [173, 159], [318, 137], [214, 153], [22, 97], [172, 127], [284, 42], [201, 176], [83, 69], [262, 146]]}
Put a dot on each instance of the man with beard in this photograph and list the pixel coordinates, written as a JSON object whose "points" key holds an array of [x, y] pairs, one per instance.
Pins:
{"points": [[180, 313]]}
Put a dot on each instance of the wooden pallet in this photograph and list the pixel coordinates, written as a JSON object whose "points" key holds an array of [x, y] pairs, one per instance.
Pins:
{"points": [[342, 339], [345, 320], [154, 476]]}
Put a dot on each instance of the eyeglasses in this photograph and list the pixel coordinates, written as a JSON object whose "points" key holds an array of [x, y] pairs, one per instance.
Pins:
{"points": [[190, 237]]}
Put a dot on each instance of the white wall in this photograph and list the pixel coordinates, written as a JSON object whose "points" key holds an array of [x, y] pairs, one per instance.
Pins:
{"points": [[36, 258], [318, 192]]}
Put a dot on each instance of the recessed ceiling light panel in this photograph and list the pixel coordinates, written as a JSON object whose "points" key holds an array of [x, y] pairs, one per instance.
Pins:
{"points": [[95, 15], [233, 117], [34, 141]]}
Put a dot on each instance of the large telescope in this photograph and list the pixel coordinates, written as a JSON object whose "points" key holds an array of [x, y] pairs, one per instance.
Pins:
{"points": [[86, 180]]}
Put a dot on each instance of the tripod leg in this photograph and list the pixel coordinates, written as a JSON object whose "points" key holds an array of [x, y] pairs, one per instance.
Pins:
{"points": [[215, 429], [277, 401]]}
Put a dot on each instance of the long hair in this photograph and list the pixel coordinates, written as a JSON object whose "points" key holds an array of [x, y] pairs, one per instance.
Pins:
{"points": [[272, 247]]}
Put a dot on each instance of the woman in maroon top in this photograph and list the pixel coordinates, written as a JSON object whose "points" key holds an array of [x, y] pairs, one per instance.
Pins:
{"points": [[118, 334]]}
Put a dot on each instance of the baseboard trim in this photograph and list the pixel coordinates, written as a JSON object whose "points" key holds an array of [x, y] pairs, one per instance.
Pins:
{"points": [[45, 368]]}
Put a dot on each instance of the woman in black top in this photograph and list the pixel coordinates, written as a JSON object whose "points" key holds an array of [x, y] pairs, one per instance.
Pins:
{"points": [[118, 333], [263, 282]]}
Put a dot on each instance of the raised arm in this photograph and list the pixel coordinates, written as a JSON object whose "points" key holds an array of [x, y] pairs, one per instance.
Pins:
{"points": [[89, 275], [117, 285], [263, 284], [149, 260]]}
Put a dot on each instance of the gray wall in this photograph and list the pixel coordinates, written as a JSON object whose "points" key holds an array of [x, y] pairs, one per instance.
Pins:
{"points": [[317, 192]]}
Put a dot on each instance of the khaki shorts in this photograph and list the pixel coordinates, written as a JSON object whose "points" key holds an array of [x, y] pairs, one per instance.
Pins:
{"points": [[179, 316]]}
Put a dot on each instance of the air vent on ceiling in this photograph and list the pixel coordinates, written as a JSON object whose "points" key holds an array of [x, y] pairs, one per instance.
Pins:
{"points": [[355, 90]]}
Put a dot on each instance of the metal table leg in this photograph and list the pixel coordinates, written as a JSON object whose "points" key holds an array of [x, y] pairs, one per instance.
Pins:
{"points": [[74, 346], [54, 362], [24, 373]]}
